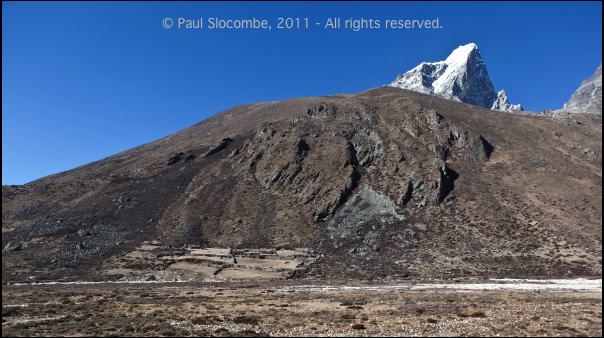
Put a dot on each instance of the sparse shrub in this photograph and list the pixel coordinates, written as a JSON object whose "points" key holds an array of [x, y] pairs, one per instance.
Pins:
{"points": [[477, 314], [252, 320]]}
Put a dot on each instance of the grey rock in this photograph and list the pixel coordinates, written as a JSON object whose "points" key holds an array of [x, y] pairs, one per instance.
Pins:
{"points": [[322, 111], [265, 132], [362, 208], [469, 145], [233, 153], [434, 117], [570, 121], [420, 226], [11, 246], [590, 154], [416, 183], [588, 97]]}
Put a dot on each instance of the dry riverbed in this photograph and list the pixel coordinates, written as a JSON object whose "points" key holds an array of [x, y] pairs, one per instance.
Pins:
{"points": [[286, 308]]}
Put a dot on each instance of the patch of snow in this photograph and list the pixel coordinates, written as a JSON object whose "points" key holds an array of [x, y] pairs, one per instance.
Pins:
{"points": [[100, 282], [30, 320], [583, 285]]}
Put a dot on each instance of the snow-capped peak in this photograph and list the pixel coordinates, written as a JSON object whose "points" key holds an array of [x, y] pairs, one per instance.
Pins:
{"points": [[461, 54], [462, 77], [502, 103]]}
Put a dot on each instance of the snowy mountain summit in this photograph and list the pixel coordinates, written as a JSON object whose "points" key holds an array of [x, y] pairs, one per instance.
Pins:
{"points": [[461, 77]]}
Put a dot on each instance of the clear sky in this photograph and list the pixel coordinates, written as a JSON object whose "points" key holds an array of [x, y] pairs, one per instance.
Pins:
{"points": [[82, 81]]}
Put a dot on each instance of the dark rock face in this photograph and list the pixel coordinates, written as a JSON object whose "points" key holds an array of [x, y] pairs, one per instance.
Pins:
{"points": [[175, 159], [218, 146], [444, 184], [384, 182], [479, 91], [407, 193]]}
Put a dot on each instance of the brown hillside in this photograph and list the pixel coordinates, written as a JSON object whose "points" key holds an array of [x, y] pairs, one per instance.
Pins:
{"points": [[385, 182]]}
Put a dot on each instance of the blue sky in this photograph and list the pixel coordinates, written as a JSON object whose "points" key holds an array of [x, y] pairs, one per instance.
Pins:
{"points": [[82, 81]]}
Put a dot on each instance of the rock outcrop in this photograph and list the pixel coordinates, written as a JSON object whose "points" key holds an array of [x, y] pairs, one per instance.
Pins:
{"points": [[218, 146], [588, 97]]}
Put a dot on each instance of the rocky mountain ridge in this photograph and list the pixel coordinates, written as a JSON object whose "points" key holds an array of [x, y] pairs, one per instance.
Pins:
{"points": [[588, 97]]}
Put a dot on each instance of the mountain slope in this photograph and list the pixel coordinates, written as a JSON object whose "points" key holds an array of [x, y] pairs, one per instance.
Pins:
{"points": [[461, 77], [383, 182], [588, 97]]}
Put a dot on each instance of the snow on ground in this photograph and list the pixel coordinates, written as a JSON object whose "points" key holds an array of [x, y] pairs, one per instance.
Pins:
{"points": [[504, 284], [579, 284]]}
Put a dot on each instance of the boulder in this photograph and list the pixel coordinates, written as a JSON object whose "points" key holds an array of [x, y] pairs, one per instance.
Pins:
{"points": [[12, 246]]}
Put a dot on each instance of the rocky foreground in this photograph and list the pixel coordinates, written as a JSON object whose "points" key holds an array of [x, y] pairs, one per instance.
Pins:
{"points": [[290, 309]]}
